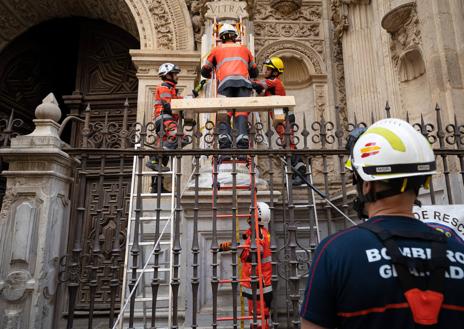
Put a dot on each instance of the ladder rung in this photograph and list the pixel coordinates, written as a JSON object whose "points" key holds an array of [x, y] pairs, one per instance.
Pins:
{"points": [[303, 206], [150, 243], [231, 318], [155, 173], [306, 228], [151, 195], [237, 187], [151, 218], [149, 270], [149, 299], [237, 215]]}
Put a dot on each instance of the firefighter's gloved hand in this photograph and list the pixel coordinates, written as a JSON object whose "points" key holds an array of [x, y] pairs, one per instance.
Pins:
{"points": [[225, 246], [258, 87], [253, 71], [205, 72]]}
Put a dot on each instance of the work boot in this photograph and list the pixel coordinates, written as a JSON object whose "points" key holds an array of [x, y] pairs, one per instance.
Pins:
{"points": [[154, 185], [154, 165], [243, 142], [296, 179], [225, 141]]}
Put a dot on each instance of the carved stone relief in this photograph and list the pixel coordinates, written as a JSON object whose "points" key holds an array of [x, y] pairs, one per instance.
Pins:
{"points": [[198, 10], [302, 24], [340, 25], [298, 47], [158, 24], [286, 7], [403, 26], [320, 100]]}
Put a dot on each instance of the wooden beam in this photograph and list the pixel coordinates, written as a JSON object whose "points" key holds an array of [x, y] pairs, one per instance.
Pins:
{"points": [[243, 104]]}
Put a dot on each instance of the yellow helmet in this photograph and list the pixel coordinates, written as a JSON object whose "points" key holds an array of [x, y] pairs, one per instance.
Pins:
{"points": [[275, 63]]}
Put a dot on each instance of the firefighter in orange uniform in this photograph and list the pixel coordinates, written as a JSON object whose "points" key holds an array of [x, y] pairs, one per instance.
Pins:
{"points": [[272, 85], [164, 118], [234, 65], [264, 245]]}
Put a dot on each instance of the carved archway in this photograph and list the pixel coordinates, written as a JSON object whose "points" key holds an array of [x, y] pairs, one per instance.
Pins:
{"points": [[305, 53], [157, 24]]}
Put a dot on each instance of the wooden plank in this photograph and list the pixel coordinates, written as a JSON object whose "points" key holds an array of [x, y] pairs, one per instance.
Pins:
{"points": [[246, 104]]}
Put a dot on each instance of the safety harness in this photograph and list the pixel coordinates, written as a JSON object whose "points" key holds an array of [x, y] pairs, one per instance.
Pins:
{"points": [[425, 305]]}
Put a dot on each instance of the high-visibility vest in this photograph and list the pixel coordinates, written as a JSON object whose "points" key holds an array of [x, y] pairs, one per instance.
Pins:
{"points": [[231, 61], [164, 94], [264, 246], [273, 86]]}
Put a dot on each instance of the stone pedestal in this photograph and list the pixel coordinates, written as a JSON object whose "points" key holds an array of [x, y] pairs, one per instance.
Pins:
{"points": [[33, 224]]}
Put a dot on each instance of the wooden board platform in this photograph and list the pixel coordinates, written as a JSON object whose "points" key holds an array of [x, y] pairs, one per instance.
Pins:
{"points": [[245, 104]]}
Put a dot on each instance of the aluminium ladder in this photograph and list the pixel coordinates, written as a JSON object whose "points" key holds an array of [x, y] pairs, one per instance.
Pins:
{"points": [[150, 219]]}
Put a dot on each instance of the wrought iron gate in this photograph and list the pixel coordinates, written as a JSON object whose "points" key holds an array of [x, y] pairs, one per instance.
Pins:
{"points": [[109, 148]]}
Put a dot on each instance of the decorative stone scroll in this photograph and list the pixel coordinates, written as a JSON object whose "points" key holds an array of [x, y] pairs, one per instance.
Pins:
{"points": [[403, 25], [339, 17], [304, 24]]}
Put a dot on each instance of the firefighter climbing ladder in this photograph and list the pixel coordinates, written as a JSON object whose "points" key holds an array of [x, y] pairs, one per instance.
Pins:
{"points": [[150, 222]]}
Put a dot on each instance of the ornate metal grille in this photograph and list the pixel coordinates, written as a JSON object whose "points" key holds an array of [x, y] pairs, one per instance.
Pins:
{"points": [[94, 267]]}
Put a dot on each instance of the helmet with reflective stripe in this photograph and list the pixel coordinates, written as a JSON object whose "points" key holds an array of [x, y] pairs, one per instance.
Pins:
{"points": [[275, 63], [168, 68], [227, 29], [392, 148]]}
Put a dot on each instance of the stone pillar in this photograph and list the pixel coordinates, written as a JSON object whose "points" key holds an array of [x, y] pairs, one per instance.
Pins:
{"points": [[442, 44], [33, 222], [369, 77], [147, 62]]}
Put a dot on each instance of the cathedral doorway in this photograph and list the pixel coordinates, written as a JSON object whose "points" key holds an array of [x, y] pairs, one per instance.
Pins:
{"points": [[87, 65], [82, 61]]}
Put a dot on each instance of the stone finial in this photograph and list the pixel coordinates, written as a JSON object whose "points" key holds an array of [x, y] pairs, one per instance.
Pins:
{"points": [[49, 109]]}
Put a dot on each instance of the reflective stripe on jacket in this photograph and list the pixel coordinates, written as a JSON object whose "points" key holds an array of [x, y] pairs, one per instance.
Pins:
{"points": [[264, 245], [164, 94], [231, 61]]}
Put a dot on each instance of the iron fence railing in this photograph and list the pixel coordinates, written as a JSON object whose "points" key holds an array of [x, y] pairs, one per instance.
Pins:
{"points": [[9, 128], [93, 270]]}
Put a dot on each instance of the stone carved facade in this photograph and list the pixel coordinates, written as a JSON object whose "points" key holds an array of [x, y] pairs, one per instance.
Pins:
{"points": [[403, 26], [163, 24], [303, 24], [339, 20], [157, 24], [406, 41]]}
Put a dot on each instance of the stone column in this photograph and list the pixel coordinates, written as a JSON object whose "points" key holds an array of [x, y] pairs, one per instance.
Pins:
{"points": [[369, 78], [33, 222], [442, 42]]}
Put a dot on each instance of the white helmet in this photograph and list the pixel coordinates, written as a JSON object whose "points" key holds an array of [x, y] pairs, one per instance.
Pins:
{"points": [[392, 148], [227, 29], [264, 213], [168, 68]]}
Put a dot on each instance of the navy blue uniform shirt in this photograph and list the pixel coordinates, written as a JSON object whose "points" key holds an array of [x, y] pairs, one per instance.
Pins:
{"points": [[352, 283]]}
